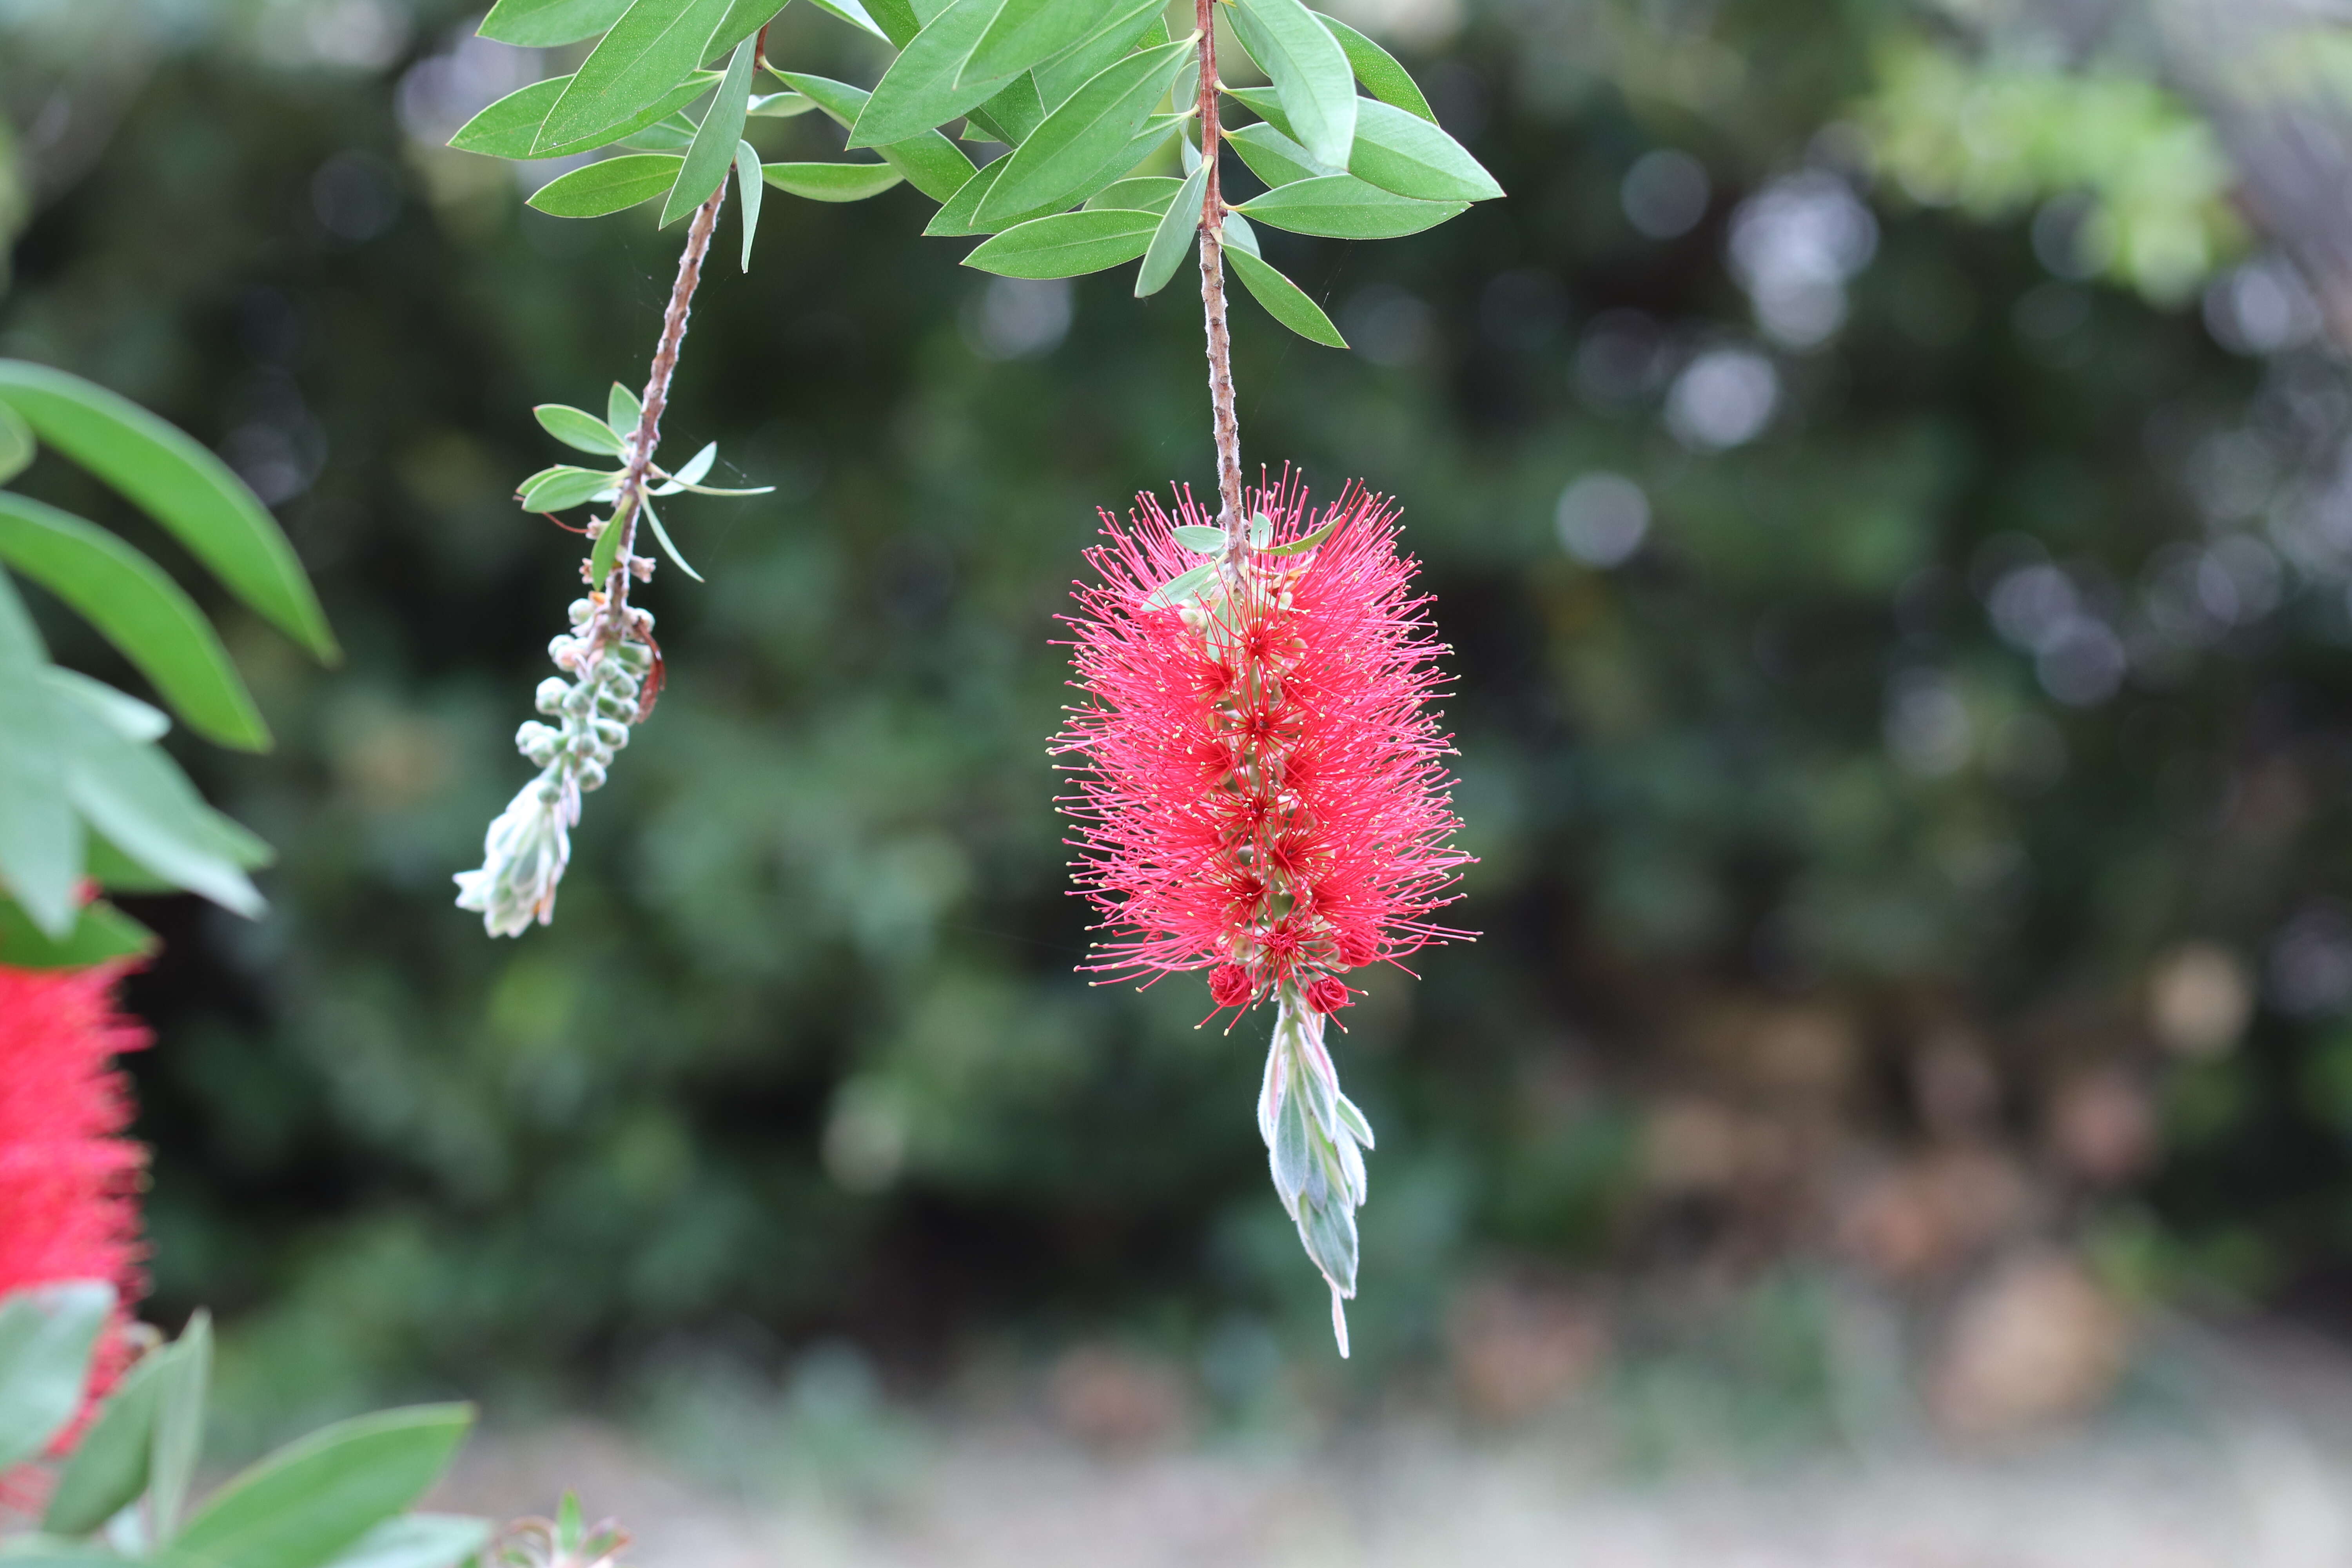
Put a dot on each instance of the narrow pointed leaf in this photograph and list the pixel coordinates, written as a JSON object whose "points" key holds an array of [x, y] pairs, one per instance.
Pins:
{"points": [[1273, 157], [135, 606], [1180, 588], [46, 1333], [743, 20], [606, 551], [40, 836], [832, 182], [561, 488], [749, 185], [932, 164], [1340, 206], [1239, 235], [1078, 142], [1013, 111], [895, 20], [1378, 70], [547, 24], [1267, 105], [578, 428], [1309, 71], [708, 160], [668, 549], [100, 933], [180, 485], [692, 470], [108, 1467], [925, 86], [509, 128], [1402, 153], [1065, 245], [851, 12], [621, 409], [608, 186], [1172, 240], [673, 134], [1285, 301], [1026, 32], [17, 444], [639, 62], [779, 105], [1201, 540], [320, 1495], [1063, 75], [179, 1424], [1143, 193], [957, 213]]}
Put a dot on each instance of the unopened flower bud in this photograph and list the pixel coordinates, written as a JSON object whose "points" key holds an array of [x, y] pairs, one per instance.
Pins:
{"points": [[549, 697], [616, 734], [582, 611], [592, 775], [1328, 995], [1230, 985]]}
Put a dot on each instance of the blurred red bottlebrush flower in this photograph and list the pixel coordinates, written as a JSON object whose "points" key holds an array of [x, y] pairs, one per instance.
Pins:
{"points": [[68, 1179], [1260, 791]]}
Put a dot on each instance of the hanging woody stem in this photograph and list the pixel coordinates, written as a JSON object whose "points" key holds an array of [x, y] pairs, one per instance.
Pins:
{"points": [[1212, 302]]}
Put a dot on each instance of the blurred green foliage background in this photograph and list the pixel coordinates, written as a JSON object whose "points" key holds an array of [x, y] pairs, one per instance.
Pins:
{"points": [[1882, 474]]}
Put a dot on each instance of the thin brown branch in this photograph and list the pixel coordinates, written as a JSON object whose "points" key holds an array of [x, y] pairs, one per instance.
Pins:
{"points": [[1212, 302], [657, 399]]}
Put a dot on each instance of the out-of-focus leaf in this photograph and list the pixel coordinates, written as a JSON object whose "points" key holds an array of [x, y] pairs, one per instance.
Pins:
{"points": [[623, 411], [832, 182], [1405, 153], [180, 485], [46, 1333], [1309, 71], [1172, 239], [17, 444], [1079, 143], [925, 86], [417, 1540], [1273, 157], [1065, 245], [1340, 206], [548, 24], [1378, 70], [639, 62], [509, 128], [661, 535], [749, 185], [317, 1497], [1201, 540], [146, 615], [40, 836], [855, 14], [609, 185], [607, 550], [564, 486], [577, 428], [708, 160], [932, 164], [1285, 301], [185, 1383], [108, 1467], [100, 933]]}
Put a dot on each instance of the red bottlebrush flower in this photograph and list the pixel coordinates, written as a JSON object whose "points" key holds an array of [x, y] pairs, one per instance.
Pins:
{"points": [[1260, 793], [68, 1179], [1260, 783]]}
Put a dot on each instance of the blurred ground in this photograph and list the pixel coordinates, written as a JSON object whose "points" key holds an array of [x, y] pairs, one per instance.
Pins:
{"points": [[2246, 1462]]}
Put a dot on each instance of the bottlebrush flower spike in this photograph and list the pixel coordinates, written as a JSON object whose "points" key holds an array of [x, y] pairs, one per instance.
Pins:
{"points": [[1260, 793], [68, 1179]]}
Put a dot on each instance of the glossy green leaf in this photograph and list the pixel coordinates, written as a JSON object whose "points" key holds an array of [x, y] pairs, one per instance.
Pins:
{"points": [[1171, 241], [1080, 142], [606, 551], [17, 444], [925, 86], [1063, 75], [1378, 70], [623, 412], [564, 486], [184, 1382], [1065, 245], [136, 796], [713, 151], [1309, 71], [1273, 157], [1143, 193], [1026, 32], [832, 182], [509, 128], [1409, 155], [417, 1540], [100, 933], [320, 1496], [108, 1467], [180, 485], [932, 164], [608, 185], [546, 24], [855, 14], [1284, 301], [645, 56], [146, 615], [578, 428], [661, 536], [46, 1333], [40, 836], [749, 185], [1340, 206]]}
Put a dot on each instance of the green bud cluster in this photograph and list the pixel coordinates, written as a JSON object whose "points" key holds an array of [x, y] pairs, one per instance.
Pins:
{"points": [[1315, 1139]]}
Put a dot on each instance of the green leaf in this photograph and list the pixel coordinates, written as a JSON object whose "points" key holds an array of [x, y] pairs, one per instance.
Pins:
{"points": [[623, 412], [180, 485], [560, 488], [779, 105], [1028, 32], [926, 85], [1405, 153], [714, 145], [1201, 540], [1181, 587], [606, 551], [108, 1467], [1340, 206], [40, 836], [320, 1496], [1065, 244], [639, 62], [1285, 301], [1273, 157], [1239, 235], [187, 1381], [743, 20], [645, 508], [855, 14], [895, 20], [136, 796], [749, 185], [578, 428], [1378, 70], [1309, 71], [1080, 142], [1143, 193], [547, 24], [1174, 238], [932, 164], [417, 1540], [100, 933], [1063, 75], [957, 213], [509, 128], [146, 615], [1010, 115], [46, 1333], [673, 133], [608, 185], [17, 444], [832, 182]]}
